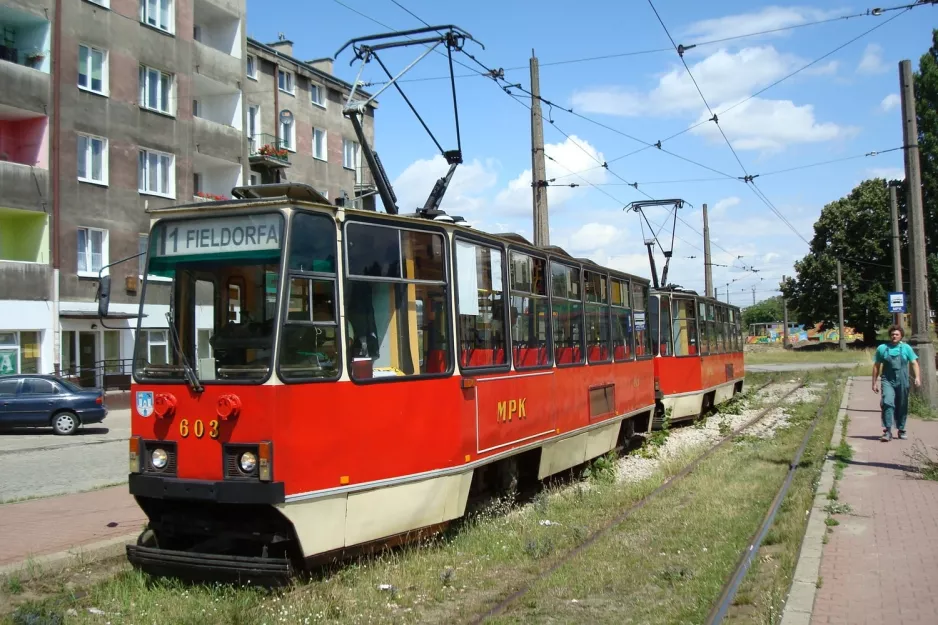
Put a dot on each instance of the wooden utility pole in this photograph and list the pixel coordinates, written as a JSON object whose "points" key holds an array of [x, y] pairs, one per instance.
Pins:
{"points": [[784, 321], [538, 167], [896, 247], [708, 268], [840, 310], [918, 269]]}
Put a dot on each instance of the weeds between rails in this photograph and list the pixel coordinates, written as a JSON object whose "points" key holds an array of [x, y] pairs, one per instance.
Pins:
{"points": [[459, 540], [638, 505], [730, 588]]}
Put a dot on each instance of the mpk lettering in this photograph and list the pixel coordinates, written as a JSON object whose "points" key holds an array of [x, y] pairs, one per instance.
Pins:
{"points": [[511, 409]]}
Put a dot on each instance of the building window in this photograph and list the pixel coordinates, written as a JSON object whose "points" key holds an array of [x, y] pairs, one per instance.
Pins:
{"points": [[157, 13], [317, 94], [254, 122], [156, 90], [196, 108], [349, 154], [157, 346], [197, 32], [103, 3], [92, 251], [19, 353], [92, 69], [254, 179], [92, 159], [288, 135], [285, 81], [156, 173], [319, 144], [252, 67]]}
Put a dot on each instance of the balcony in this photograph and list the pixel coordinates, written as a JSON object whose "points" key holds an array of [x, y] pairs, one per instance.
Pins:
{"points": [[26, 39], [25, 281], [213, 178], [24, 159], [268, 151], [217, 51], [24, 236]]}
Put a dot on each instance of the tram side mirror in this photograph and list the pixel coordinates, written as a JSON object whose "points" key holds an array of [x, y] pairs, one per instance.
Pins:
{"points": [[104, 295]]}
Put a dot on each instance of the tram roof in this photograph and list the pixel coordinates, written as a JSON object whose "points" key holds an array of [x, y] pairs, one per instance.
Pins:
{"points": [[263, 195]]}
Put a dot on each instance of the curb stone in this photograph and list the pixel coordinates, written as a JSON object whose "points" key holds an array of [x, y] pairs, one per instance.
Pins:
{"points": [[800, 602], [92, 552]]}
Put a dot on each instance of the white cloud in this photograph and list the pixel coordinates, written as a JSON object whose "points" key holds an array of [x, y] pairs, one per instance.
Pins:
{"points": [[771, 125], [872, 60], [464, 194], [573, 155], [590, 237], [768, 18], [768, 258], [722, 76], [888, 173], [719, 209], [890, 102]]}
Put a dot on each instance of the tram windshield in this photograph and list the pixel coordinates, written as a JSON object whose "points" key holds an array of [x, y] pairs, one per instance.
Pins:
{"points": [[210, 301]]}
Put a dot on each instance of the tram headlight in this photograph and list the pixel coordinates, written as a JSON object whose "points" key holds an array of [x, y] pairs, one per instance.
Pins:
{"points": [[247, 462], [159, 458]]}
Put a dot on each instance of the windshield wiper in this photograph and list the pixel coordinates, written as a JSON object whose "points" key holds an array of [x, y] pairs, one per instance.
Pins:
{"points": [[191, 377]]}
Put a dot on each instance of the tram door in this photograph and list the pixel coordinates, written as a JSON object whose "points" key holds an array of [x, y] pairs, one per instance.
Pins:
{"points": [[659, 322]]}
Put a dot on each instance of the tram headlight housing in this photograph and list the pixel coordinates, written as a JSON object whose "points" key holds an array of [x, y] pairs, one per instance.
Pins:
{"points": [[159, 458], [247, 462]]}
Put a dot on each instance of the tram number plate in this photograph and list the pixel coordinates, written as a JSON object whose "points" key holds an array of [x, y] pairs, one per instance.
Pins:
{"points": [[197, 428]]}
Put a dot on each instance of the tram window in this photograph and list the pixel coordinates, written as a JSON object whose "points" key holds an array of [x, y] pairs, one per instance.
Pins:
{"points": [[597, 317], [235, 300], [528, 308], [567, 310], [664, 345], [685, 327], [642, 335], [480, 303], [205, 324], [396, 302], [716, 330], [309, 345], [621, 321], [704, 328], [724, 328]]}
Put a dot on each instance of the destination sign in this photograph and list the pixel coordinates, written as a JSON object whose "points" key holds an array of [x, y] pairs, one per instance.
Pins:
{"points": [[221, 235]]}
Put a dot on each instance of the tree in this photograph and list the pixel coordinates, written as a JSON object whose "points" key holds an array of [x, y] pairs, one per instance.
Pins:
{"points": [[855, 229], [926, 112], [767, 311]]}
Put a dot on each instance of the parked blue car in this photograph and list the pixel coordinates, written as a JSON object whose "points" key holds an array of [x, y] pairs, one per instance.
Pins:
{"points": [[47, 401]]}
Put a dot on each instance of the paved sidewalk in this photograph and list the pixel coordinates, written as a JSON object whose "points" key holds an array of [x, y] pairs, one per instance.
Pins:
{"points": [[55, 524], [881, 564]]}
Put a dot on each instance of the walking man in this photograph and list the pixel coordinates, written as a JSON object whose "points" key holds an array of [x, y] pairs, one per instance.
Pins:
{"points": [[892, 360]]}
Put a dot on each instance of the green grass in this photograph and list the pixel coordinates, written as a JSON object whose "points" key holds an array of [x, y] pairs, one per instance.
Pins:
{"points": [[665, 564], [784, 356]]}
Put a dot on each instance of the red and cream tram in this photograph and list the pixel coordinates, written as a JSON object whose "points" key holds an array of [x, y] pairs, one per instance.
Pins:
{"points": [[336, 377], [698, 350]]}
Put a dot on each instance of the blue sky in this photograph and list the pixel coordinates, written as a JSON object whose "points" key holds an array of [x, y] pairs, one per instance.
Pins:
{"points": [[846, 105]]}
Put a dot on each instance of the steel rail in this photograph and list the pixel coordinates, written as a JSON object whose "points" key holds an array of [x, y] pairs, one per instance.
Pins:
{"points": [[638, 505], [721, 607]]}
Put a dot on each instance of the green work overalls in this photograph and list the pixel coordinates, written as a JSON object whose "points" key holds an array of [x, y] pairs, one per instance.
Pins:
{"points": [[895, 389]]}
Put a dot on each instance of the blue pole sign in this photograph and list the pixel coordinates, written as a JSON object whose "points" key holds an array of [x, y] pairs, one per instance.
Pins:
{"points": [[897, 302]]}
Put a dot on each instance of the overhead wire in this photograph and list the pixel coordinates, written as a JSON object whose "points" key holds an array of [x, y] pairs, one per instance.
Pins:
{"points": [[602, 57]]}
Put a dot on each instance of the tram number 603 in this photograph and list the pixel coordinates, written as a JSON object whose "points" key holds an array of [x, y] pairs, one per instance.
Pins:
{"points": [[198, 428]]}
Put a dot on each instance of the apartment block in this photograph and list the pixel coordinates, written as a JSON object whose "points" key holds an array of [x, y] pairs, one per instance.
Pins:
{"points": [[295, 127], [113, 107]]}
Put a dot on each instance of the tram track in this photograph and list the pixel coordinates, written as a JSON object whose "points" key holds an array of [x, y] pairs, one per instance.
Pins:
{"points": [[678, 477]]}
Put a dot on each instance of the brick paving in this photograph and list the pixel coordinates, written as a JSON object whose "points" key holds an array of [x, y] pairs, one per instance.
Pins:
{"points": [[881, 564], [45, 526]]}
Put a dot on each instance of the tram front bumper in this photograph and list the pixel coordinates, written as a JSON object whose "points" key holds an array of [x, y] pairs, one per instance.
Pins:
{"points": [[207, 565]]}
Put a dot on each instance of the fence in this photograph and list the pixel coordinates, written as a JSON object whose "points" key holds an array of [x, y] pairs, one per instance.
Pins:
{"points": [[108, 375]]}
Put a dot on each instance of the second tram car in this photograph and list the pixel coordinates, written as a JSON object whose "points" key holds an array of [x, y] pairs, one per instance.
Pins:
{"points": [[337, 377], [698, 347]]}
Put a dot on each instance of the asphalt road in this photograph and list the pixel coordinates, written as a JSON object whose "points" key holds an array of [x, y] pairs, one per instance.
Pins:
{"points": [[37, 463]]}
